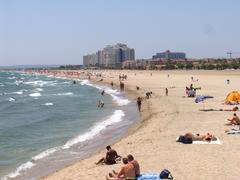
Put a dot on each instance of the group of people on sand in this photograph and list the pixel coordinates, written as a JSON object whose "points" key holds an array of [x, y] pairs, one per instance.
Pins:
{"points": [[130, 169], [122, 77], [190, 91]]}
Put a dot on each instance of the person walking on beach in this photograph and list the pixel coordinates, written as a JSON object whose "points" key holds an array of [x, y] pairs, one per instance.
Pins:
{"points": [[139, 103], [110, 158], [111, 84], [166, 91]]}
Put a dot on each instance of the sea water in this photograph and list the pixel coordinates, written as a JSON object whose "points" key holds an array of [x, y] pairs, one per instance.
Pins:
{"points": [[47, 123]]}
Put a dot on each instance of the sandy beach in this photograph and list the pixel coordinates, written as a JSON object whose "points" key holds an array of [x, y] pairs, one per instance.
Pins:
{"points": [[163, 118]]}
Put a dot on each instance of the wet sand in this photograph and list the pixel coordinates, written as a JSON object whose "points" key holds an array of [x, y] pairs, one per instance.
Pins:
{"points": [[152, 142]]}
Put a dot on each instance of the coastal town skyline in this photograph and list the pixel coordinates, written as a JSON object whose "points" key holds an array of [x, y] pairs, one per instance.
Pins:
{"points": [[62, 33]]}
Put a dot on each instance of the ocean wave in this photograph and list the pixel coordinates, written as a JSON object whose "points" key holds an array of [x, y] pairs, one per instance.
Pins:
{"points": [[45, 153], [115, 118], [38, 89], [11, 99], [48, 104], [65, 94], [35, 94], [120, 101], [12, 77], [112, 92], [40, 83], [19, 170], [18, 82], [17, 92]]}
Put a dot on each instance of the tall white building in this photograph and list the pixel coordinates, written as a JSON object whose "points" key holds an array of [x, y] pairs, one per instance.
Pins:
{"points": [[114, 55]]}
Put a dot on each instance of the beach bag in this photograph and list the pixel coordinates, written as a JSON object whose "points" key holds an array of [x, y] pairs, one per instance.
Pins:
{"points": [[184, 140], [165, 174]]}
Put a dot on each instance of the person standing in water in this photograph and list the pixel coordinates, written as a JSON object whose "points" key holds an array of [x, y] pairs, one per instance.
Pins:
{"points": [[139, 103]]}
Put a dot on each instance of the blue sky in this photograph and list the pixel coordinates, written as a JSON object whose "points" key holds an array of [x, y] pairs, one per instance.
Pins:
{"points": [[62, 31]]}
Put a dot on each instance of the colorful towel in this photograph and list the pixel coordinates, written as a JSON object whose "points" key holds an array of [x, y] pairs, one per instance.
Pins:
{"points": [[149, 176]]}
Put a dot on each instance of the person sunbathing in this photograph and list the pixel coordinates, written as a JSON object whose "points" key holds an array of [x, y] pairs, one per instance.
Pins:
{"points": [[127, 172], [200, 137], [111, 157], [234, 121]]}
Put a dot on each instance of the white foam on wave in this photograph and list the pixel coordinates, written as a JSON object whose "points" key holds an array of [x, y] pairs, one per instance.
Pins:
{"points": [[39, 83], [120, 101], [115, 118], [18, 82], [11, 99], [12, 77], [17, 92], [85, 82], [65, 94], [45, 153], [35, 94], [112, 92], [19, 170], [48, 104], [38, 89]]}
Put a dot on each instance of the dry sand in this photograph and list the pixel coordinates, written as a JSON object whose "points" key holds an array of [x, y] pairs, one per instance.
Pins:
{"points": [[164, 118]]}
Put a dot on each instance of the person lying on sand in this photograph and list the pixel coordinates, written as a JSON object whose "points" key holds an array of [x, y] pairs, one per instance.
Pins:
{"points": [[233, 109], [127, 172], [111, 157], [234, 121], [200, 137]]}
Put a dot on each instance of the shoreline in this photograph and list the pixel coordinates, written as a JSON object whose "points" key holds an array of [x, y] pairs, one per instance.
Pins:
{"points": [[145, 116]]}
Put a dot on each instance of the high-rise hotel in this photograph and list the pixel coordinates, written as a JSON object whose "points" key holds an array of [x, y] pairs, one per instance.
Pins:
{"points": [[111, 56]]}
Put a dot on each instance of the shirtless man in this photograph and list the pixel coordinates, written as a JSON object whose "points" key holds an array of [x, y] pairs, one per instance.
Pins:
{"points": [[127, 172], [111, 157], [135, 164], [234, 121]]}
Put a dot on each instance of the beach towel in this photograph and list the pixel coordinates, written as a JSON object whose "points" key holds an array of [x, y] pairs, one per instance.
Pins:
{"points": [[205, 142], [202, 98], [233, 131], [149, 176]]}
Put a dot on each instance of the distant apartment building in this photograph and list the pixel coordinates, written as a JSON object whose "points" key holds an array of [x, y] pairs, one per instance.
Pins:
{"points": [[170, 55], [112, 55], [90, 59]]}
